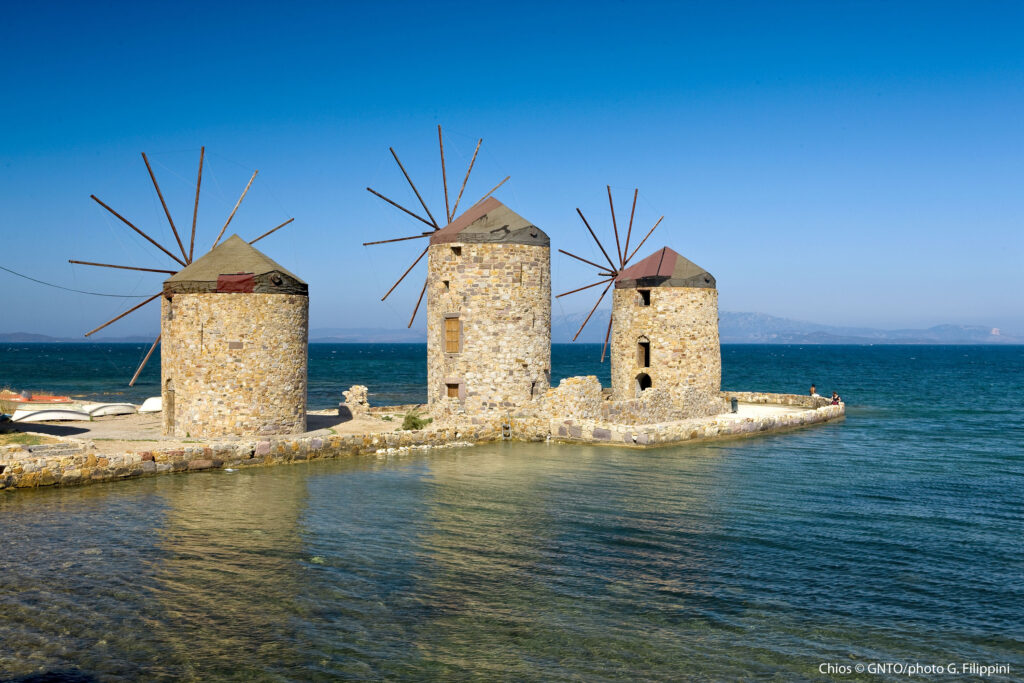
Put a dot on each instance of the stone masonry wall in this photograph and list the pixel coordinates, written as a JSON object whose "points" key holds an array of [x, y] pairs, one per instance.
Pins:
{"points": [[682, 431], [802, 400], [234, 364], [73, 462], [681, 324], [581, 398], [501, 294]]}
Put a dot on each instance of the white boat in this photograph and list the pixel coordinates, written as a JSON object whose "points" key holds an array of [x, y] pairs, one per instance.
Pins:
{"points": [[101, 409], [50, 415], [153, 404]]}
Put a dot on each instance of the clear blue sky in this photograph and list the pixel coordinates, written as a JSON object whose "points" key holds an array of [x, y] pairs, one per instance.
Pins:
{"points": [[843, 163]]}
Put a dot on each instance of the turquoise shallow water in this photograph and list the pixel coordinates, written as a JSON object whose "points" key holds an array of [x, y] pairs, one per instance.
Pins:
{"points": [[894, 536]]}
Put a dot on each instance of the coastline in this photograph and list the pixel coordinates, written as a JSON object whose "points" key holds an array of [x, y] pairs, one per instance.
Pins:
{"points": [[74, 461]]}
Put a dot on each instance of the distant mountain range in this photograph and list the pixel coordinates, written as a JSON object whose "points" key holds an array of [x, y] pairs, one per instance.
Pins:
{"points": [[758, 328], [380, 335], [734, 328]]}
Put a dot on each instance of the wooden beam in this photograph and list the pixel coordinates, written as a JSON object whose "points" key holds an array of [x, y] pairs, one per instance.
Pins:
{"points": [[111, 265], [167, 213], [415, 310], [130, 310], [493, 189], [129, 224], [625, 249], [398, 239], [645, 239], [237, 204], [413, 186], [599, 299], [607, 335], [422, 254], [399, 206], [615, 226], [601, 282], [272, 230], [144, 361], [444, 177], [600, 246], [195, 211], [580, 258], [466, 179]]}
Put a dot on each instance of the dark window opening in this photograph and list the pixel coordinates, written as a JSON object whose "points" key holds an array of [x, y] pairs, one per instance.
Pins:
{"points": [[447, 285], [456, 251], [643, 354], [452, 390], [645, 297], [643, 382]]}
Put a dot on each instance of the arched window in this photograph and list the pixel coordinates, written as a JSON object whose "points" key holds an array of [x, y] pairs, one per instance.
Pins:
{"points": [[643, 382]]}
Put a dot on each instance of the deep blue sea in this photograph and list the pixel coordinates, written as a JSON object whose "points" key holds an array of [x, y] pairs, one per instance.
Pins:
{"points": [[891, 539]]}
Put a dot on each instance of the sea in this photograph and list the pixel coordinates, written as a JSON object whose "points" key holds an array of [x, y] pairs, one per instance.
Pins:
{"points": [[885, 547]]}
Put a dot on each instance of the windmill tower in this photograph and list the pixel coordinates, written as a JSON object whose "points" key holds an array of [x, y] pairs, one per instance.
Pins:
{"points": [[488, 289], [665, 333], [664, 323], [488, 310], [235, 327], [234, 257]]}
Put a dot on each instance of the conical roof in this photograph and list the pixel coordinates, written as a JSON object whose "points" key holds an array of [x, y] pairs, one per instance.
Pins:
{"points": [[665, 268], [491, 221], [230, 261]]}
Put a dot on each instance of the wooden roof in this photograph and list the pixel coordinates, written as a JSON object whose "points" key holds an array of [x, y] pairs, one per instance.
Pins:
{"points": [[664, 268], [491, 221], [235, 256]]}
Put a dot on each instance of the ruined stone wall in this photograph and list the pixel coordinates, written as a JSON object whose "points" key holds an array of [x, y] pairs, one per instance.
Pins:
{"points": [[501, 296], [582, 398], [234, 364], [574, 397], [681, 325]]}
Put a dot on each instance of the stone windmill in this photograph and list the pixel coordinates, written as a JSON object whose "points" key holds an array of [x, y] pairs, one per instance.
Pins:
{"points": [[609, 273], [664, 325], [488, 290], [186, 256], [430, 222], [665, 335], [234, 327]]}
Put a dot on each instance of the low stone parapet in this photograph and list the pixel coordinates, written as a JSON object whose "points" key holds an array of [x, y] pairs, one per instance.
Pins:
{"points": [[76, 462], [682, 431], [764, 398], [72, 461]]}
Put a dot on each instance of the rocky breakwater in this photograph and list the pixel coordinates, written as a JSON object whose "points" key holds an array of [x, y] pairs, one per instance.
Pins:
{"points": [[74, 462]]}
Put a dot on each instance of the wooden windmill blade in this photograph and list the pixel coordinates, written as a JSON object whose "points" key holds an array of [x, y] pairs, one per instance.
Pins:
{"points": [[166, 210], [610, 273], [186, 256], [429, 221], [145, 360]]}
